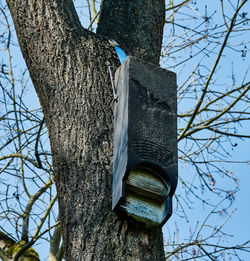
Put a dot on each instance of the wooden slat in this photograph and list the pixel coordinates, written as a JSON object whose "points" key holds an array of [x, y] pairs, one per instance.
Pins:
{"points": [[145, 197], [148, 181]]}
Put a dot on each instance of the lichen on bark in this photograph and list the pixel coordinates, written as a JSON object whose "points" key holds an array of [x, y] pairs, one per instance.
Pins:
{"points": [[9, 248]]}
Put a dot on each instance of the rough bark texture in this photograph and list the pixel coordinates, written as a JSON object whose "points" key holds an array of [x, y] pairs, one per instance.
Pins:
{"points": [[136, 25], [68, 67]]}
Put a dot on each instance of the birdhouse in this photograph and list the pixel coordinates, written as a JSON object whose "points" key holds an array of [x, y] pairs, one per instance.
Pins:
{"points": [[145, 142]]}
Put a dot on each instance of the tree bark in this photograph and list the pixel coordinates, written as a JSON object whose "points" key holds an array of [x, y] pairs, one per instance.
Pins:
{"points": [[136, 25], [68, 67]]}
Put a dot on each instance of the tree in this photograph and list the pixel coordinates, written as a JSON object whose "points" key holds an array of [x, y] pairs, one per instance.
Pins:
{"points": [[68, 67]]}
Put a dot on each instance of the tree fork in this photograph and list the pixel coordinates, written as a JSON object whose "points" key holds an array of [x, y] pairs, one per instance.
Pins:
{"points": [[68, 68]]}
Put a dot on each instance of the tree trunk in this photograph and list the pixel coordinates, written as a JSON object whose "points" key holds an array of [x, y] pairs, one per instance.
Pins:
{"points": [[68, 67]]}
